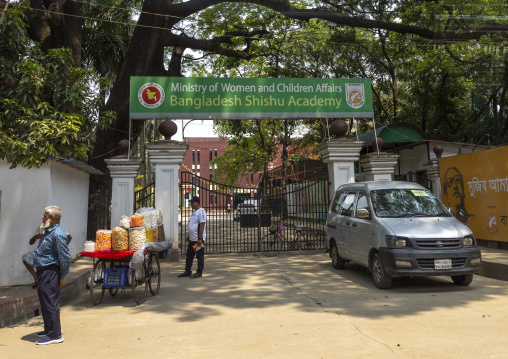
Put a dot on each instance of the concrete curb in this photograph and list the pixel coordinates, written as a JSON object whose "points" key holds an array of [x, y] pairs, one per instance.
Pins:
{"points": [[494, 270]]}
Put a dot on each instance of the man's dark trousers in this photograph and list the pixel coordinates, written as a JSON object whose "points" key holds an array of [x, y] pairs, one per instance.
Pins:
{"points": [[49, 297], [200, 255]]}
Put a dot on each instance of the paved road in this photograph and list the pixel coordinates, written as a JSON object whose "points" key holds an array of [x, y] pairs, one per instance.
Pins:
{"points": [[291, 306]]}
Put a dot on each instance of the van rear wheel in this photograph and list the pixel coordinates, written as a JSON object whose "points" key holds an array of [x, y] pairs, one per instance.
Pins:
{"points": [[463, 280], [337, 261], [382, 280]]}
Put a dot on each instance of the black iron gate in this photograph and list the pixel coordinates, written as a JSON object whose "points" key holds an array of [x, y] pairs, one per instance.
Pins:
{"points": [[99, 211], [302, 203]]}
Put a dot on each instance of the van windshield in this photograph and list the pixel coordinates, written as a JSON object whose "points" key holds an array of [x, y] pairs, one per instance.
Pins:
{"points": [[407, 203]]}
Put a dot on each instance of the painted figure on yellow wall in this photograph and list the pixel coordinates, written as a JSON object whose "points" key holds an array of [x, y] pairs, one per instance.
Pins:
{"points": [[454, 196]]}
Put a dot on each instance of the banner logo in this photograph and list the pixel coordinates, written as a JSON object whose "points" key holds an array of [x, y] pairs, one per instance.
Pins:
{"points": [[355, 95], [151, 95]]}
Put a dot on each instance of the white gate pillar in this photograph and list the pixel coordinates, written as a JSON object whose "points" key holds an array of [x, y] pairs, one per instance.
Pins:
{"points": [[340, 156], [378, 167], [432, 168], [123, 171], [167, 155]]}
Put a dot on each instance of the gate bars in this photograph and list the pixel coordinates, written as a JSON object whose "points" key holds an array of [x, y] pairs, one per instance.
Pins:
{"points": [[303, 203]]}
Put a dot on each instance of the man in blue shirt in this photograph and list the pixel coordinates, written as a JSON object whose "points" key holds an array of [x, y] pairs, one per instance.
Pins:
{"points": [[51, 261]]}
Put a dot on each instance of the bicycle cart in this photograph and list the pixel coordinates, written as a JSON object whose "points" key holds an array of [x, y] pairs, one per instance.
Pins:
{"points": [[135, 270]]}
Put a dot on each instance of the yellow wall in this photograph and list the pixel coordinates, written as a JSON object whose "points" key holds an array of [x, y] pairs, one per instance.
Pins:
{"points": [[475, 185]]}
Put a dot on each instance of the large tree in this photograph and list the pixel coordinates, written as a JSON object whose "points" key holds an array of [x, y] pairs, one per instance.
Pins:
{"points": [[164, 27], [47, 108]]}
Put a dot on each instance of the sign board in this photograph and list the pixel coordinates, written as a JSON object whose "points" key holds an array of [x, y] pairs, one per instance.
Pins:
{"points": [[245, 98], [475, 185]]}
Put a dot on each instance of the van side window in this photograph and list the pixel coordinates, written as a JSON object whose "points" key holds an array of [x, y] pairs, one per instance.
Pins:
{"points": [[337, 200], [346, 206], [362, 202]]}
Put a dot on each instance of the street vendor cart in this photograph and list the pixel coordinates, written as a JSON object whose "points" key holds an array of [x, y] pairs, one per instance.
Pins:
{"points": [[136, 270]]}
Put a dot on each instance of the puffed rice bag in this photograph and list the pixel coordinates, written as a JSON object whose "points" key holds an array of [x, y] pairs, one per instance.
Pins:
{"points": [[137, 237], [89, 246], [149, 216], [125, 222]]}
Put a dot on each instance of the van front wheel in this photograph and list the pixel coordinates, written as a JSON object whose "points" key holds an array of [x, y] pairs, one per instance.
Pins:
{"points": [[382, 280], [463, 280], [337, 261]]}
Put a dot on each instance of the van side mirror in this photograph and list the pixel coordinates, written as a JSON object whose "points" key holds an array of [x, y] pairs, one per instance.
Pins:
{"points": [[362, 213]]}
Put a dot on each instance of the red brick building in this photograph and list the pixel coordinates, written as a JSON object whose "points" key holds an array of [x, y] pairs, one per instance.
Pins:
{"points": [[201, 152]]}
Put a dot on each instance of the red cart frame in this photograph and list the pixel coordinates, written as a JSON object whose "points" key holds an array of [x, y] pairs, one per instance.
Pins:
{"points": [[139, 280]]}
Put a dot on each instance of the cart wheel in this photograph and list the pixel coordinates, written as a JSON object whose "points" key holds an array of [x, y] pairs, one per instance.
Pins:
{"points": [[96, 289], [154, 273], [113, 291], [139, 284]]}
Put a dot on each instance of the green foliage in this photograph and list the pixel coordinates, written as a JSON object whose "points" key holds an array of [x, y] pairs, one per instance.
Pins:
{"points": [[454, 91], [47, 107]]}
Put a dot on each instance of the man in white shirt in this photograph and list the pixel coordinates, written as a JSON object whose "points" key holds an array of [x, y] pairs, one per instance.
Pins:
{"points": [[196, 240]]}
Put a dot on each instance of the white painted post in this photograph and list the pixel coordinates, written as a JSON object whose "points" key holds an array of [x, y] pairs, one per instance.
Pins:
{"points": [[340, 155], [378, 167], [123, 171], [432, 168], [167, 156]]}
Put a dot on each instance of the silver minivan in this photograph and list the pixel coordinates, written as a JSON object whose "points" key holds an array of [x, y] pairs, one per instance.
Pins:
{"points": [[399, 229]]}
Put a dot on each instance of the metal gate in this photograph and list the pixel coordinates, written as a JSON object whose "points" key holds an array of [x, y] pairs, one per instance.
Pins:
{"points": [[99, 212], [303, 203]]}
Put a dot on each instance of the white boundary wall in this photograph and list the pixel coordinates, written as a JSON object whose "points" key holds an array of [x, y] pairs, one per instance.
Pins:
{"points": [[24, 195]]}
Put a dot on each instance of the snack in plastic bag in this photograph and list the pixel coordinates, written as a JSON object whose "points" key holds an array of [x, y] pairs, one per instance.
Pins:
{"points": [[159, 217], [149, 217], [120, 239], [89, 246], [137, 237], [125, 222], [161, 235], [155, 232], [136, 220], [149, 235], [103, 240]]}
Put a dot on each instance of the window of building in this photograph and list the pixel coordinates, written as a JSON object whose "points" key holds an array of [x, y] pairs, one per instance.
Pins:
{"points": [[193, 157], [199, 156], [210, 155]]}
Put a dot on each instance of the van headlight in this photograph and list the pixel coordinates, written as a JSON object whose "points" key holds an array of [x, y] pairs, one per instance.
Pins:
{"points": [[396, 242], [468, 240]]}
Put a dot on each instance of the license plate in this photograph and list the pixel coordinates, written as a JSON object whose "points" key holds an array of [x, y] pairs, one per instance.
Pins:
{"points": [[442, 264]]}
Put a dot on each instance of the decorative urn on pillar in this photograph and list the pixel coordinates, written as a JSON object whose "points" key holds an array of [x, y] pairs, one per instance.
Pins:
{"points": [[168, 129], [339, 128]]}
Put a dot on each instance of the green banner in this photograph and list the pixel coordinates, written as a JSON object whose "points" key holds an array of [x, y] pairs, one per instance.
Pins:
{"points": [[244, 98]]}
